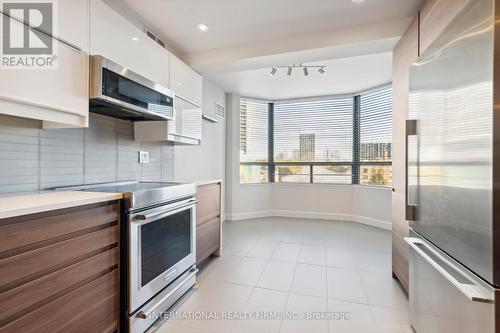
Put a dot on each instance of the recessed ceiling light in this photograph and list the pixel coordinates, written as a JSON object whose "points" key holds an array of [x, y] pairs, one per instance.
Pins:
{"points": [[358, 1], [135, 39], [202, 27]]}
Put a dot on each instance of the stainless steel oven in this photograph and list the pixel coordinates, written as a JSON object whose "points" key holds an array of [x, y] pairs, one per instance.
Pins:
{"points": [[158, 240], [162, 246]]}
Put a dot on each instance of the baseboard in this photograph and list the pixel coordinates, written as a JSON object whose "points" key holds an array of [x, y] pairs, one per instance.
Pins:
{"points": [[386, 225], [249, 215]]}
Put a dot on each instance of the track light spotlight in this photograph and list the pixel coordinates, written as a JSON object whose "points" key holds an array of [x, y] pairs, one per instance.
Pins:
{"points": [[305, 68]]}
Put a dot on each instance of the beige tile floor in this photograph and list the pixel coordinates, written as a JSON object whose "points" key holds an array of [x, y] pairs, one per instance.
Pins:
{"points": [[297, 266]]}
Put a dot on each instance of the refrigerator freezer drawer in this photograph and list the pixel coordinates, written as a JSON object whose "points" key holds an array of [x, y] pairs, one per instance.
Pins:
{"points": [[445, 296]]}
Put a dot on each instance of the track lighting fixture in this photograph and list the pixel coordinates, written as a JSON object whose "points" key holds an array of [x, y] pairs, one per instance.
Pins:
{"points": [[305, 69]]}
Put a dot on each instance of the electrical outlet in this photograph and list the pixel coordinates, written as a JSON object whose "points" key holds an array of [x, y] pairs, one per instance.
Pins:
{"points": [[143, 157]]}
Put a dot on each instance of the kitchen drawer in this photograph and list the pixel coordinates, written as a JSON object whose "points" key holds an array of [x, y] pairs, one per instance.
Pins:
{"points": [[208, 203], [35, 230], [444, 294], [207, 239], [92, 307], [15, 303], [34, 264]]}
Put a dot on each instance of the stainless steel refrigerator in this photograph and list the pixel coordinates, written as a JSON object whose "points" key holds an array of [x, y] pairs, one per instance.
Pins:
{"points": [[453, 184]]}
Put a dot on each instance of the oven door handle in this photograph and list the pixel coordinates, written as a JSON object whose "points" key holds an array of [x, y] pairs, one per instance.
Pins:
{"points": [[143, 217], [147, 313]]}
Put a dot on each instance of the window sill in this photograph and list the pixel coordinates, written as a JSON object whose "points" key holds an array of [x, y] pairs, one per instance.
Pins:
{"points": [[383, 188]]}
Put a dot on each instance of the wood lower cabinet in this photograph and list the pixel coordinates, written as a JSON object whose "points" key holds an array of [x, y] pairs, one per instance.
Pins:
{"points": [[208, 221], [59, 271]]}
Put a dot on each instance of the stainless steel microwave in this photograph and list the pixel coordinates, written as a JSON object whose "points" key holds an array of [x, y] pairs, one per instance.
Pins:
{"points": [[118, 92]]}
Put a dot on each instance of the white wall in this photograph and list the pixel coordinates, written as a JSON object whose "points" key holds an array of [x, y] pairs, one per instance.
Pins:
{"points": [[363, 204], [240, 199]]}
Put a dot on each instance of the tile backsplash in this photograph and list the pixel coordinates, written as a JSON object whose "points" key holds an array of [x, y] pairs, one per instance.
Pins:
{"points": [[33, 159]]}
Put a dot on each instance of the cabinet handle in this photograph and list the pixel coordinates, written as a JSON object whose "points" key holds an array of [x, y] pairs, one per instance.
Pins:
{"points": [[471, 290], [143, 217]]}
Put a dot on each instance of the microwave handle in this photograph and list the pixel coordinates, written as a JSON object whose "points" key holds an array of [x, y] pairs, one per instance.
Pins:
{"points": [[143, 217]]}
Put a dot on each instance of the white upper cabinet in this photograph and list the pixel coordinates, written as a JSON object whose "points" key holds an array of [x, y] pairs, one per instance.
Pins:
{"points": [[58, 95], [114, 37], [185, 82], [214, 102], [71, 22]]}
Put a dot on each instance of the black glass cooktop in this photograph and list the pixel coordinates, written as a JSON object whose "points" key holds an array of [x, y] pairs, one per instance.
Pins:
{"points": [[132, 187]]}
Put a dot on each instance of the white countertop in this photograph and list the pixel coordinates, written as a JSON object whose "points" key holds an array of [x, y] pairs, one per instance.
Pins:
{"points": [[200, 182], [31, 203]]}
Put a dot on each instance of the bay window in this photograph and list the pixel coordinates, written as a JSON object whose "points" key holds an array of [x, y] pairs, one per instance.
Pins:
{"points": [[335, 140]]}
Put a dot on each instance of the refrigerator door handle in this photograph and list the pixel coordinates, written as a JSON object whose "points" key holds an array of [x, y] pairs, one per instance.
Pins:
{"points": [[471, 290], [410, 207]]}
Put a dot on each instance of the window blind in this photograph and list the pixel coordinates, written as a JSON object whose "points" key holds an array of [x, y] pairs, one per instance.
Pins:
{"points": [[316, 130], [313, 131], [340, 140], [375, 149], [254, 130]]}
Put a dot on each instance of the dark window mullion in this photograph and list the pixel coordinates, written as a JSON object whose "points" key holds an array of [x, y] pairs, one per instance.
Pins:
{"points": [[270, 160], [356, 123]]}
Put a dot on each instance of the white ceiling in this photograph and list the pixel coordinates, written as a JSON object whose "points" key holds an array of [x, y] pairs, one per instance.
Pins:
{"points": [[240, 22], [346, 75], [248, 37]]}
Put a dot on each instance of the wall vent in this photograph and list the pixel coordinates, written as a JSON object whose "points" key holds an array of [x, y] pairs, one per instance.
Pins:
{"points": [[220, 111], [154, 37]]}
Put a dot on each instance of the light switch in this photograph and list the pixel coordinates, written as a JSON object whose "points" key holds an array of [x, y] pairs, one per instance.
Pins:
{"points": [[143, 157]]}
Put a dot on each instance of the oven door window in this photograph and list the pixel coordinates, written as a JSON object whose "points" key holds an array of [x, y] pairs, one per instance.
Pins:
{"points": [[164, 242]]}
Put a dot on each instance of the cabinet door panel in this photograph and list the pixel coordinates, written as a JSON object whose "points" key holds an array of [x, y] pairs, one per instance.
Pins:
{"points": [[185, 82], [70, 22], [208, 203], [15, 302], [23, 232], [93, 307], [17, 269], [62, 90], [207, 239], [114, 37], [405, 53], [73, 22]]}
